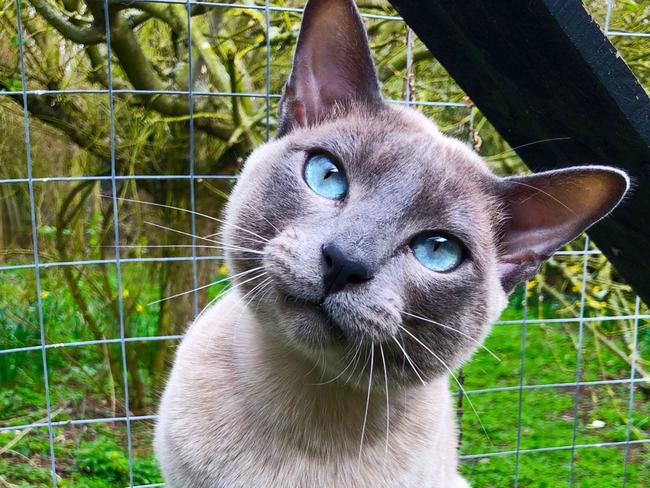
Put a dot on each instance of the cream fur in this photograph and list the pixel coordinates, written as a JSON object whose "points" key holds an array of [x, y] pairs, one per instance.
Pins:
{"points": [[237, 412]]}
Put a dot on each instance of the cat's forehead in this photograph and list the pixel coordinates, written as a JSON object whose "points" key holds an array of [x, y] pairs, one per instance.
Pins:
{"points": [[399, 150], [400, 166], [392, 140]]}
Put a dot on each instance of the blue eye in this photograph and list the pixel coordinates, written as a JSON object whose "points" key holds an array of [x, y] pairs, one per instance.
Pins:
{"points": [[325, 177], [437, 252]]}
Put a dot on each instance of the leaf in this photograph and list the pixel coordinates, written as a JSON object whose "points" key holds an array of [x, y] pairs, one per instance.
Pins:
{"points": [[13, 84]]}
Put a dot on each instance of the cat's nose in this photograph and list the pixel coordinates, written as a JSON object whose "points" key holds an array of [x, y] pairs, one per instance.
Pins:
{"points": [[341, 271]]}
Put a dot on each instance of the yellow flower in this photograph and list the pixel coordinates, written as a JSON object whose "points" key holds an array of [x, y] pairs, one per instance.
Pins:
{"points": [[139, 308], [45, 294], [125, 293], [223, 269], [531, 284]]}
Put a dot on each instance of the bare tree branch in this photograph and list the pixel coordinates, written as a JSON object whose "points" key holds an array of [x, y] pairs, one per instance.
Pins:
{"points": [[50, 110], [176, 17], [81, 35], [142, 76], [99, 73]]}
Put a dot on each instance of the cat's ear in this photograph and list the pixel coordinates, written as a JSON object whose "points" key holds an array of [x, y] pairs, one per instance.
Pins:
{"points": [[544, 211], [332, 65]]}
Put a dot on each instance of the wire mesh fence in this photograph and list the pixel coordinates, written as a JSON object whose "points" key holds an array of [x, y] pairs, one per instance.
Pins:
{"points": [[512, 435]]}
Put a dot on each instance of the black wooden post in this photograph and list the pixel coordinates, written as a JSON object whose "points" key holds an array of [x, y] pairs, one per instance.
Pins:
{"points": [[541, 69]]}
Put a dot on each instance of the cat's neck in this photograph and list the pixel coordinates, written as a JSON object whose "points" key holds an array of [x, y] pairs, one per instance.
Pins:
{"points": [[251, 398], [310, 410]]}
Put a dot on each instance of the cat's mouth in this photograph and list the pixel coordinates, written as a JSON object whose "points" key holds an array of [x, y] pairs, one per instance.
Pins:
{"points": [[335, 327]]}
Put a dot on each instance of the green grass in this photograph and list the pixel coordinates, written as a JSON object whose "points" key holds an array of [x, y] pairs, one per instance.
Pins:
{"points": [[87, 457], [95, 455], [547, 413]]}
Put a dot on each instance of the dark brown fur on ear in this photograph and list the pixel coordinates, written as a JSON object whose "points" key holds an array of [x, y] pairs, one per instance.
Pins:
{"points": [[544, 211], [331, 68]]}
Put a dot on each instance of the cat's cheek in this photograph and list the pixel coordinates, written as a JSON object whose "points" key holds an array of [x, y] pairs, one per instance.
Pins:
{"points": [[288, 264], [459, 300]]}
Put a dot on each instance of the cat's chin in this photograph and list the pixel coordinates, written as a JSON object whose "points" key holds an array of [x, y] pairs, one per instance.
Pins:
{"points": [[307, 322], [342, 318]]}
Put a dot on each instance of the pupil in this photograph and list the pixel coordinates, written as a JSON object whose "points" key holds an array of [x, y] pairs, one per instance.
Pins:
{"points": [[329, 173]]}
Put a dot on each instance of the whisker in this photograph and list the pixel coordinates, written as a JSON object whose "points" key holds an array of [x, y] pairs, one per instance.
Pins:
{"points": [[542, 192], [220, 233], [357, 357], [383, 362], [156, 246], [234, 247], [270, 223], [171, 246], [222, 246], [210, 217], [403, 357], [225, 196], [452, 375], [512, 149], [315, 366], [363, 368], [206, 286], [267, 220], [365, 415], [321, 357], [345, 369], [455, 330], [183, 246], [408, 358], [259, 287], [267, 290], [230, 288], [258, 213], [244, 306]]}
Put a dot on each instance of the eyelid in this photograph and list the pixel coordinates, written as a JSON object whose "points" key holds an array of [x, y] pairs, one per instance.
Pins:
{"points": [[467, 255], [436, 233], [309, 153]]}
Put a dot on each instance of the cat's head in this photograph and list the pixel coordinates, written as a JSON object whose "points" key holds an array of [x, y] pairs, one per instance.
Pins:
{"points": [[373, 228]]}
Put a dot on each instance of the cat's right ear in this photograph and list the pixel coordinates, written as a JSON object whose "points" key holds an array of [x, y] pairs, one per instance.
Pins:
{"points": [[332, 65]]}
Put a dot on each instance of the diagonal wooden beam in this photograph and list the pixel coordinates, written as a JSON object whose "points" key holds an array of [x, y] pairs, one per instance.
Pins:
{"points": [[541, 69]]}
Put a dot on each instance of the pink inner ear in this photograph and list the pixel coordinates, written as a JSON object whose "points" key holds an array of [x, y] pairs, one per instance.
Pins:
{"points": [[541, 214], [332, 64], [546, 210]]}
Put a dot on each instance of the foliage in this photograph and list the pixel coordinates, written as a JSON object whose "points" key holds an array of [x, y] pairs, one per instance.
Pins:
{"points": [[64, 42]]}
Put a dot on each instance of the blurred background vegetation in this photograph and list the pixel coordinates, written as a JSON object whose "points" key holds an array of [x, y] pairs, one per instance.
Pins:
{"points": [[65, 51]]}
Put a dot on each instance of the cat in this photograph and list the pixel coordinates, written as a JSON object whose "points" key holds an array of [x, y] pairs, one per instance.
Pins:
{"points": [[370, 255]]}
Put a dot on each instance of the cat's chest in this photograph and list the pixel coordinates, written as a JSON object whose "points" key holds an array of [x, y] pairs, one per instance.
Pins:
{"points": [[269, 463]]}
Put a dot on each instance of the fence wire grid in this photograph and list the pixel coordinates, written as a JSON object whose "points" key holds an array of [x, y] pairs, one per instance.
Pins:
{"points": [[581, 325]]}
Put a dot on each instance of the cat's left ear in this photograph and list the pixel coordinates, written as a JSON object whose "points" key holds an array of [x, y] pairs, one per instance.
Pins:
{"points": [[544, 211], [332, 65]]}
